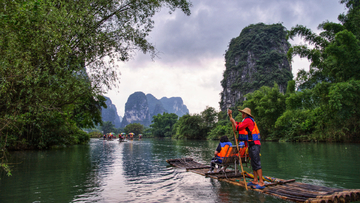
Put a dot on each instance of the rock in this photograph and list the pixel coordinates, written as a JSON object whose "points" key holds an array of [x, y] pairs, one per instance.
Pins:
{"points": [[110, 113], [155, 106], [136, 110], [256, 58], [175, 105], [140, 108]]}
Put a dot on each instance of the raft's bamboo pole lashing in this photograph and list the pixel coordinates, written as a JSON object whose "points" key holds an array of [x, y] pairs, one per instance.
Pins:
{"points": [[201, 167], [284, 189]]}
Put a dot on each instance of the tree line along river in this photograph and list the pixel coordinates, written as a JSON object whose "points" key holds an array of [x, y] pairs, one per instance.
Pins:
{"points": [[137, 171]]}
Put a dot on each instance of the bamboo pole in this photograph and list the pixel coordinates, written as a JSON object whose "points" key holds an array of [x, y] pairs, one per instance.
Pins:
{"points": [[237, 146], [194, 168], [281, 182], [355, 194], [301, 190], [292, 193], [286, 196], [316, 187], [179, 160]]}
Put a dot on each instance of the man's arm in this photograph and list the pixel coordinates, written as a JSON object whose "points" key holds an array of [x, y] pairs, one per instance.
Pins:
{"points": [[217, 151], [232, 120]]}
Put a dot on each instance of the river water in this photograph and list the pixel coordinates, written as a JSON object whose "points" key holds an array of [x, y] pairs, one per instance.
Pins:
{"points": [[137, 171]]}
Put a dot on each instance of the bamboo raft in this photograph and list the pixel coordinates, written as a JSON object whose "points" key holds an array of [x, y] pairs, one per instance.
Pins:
{"points": [[284, 189]]}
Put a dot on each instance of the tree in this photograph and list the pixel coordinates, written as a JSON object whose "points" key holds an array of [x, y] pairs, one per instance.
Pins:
{"points": [[266, 104], [222, 127], [162, 125], [46, 46], [57, 59], [333, 79], [136, 128], [190, 127], [209, 115], [335, 55], [107, 127], [95, 134], [196, 126]]}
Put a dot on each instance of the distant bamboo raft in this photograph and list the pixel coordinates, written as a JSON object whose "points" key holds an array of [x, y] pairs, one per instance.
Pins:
{"points": [[284, 189]]}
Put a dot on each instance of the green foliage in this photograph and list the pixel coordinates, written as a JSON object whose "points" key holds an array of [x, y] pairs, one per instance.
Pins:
{"points": [[53, 70], [147, 132], [57, 59], [119, 130], [81, 137], [294, 125], [258, 56], [95, 134], [107, 127], [162, 125], [266, 104], [136, 128], [190, 127], [326, 107], [209, 117], [223, 127], [196, 126], [6, 168]]}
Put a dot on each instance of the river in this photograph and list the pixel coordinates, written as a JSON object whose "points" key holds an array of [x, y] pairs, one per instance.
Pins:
{"points": [[137, 171]]}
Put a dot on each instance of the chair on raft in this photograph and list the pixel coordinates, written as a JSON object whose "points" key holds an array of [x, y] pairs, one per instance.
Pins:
{"points": [[232, 158]]}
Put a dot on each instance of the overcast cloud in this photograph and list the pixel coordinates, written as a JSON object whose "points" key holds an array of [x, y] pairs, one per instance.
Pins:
{"points": [[191, 48]]}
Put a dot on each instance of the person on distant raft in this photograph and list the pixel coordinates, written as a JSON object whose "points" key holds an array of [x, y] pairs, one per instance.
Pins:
{"points": [[252, 140], [220, 152]]}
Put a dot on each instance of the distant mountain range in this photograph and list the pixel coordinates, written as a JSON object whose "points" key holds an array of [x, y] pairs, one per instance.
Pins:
{"points": [[140, 108], [110, 113]]}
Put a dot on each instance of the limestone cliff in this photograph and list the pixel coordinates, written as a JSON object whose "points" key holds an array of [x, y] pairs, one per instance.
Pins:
{"points": [[140, 108], [155, 106], [256, 58], [110, 113], [136, 110], [175, 105]]}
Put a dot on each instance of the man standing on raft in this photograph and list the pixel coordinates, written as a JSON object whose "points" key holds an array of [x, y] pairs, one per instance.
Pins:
{"points": [[252, 138]]}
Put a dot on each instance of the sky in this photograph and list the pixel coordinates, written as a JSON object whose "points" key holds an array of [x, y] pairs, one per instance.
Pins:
{"points": [[191, 49]]}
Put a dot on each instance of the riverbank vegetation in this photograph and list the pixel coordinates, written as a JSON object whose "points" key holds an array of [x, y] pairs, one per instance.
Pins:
{"points": [[320, 105], [324, 105], [58, 59]]}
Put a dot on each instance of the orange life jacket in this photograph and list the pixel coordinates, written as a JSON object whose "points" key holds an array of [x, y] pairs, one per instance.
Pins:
{"points": [[224, 149], [247, 135]]}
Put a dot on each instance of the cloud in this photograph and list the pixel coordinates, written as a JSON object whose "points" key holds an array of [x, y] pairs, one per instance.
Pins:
{"points": [[191, 48]]}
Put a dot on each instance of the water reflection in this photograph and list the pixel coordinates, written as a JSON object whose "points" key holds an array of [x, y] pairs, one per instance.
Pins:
{"points": [[40, 175], [136, 171], [327, 164]]}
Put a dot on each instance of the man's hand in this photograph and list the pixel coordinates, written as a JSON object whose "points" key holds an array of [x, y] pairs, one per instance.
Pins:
{"points": [[229, 111], [232, 120]]}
